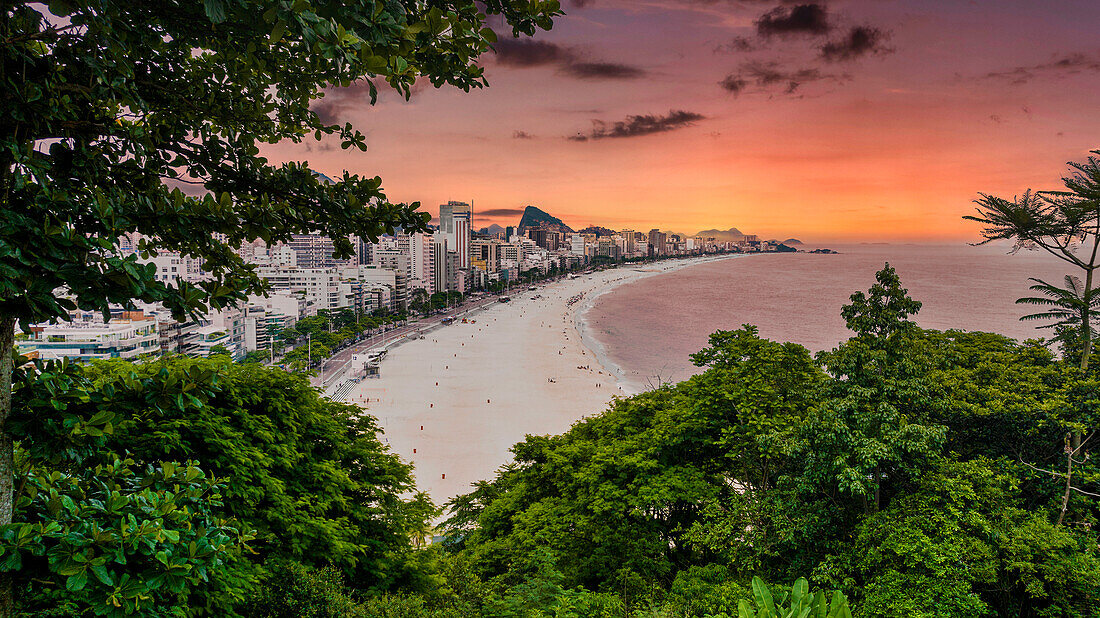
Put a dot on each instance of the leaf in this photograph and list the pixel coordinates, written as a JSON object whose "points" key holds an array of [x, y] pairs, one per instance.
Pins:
{"points": [[77, 582], [103, 575], [215, 10], [61, 8], [763, 596], [278, 31]]}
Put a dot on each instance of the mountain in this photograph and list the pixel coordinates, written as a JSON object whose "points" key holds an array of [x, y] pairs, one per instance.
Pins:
{"points": [[732, 234], [535, 217], [491, 230], [792, 241]]}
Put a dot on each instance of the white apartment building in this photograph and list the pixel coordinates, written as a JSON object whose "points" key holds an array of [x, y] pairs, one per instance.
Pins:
{"points": [[87, 337], [321, 286]]}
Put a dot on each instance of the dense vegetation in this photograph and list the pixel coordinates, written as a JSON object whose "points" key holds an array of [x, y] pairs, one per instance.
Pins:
{"points": [[110, 107], [924, 473]]}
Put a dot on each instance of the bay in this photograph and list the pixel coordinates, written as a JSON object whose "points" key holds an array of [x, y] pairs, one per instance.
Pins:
{"points": [[646, 330]]}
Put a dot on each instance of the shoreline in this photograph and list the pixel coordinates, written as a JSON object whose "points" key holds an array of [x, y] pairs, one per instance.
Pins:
{"points": [[592, 342], [454, 402]]}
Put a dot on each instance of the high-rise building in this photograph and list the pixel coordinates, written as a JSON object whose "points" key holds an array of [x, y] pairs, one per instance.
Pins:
{"points": [[540, 236], [657, 239], [454, 222], [439, 265], [315, 251], [418, 248], [628, 237]]}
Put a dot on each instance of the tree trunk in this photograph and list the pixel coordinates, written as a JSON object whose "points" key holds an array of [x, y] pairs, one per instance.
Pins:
{"points": [[7, 464], [1087, 322], [1069, 481]]}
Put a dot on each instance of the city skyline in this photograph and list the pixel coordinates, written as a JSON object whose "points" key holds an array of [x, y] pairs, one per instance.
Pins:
{"points": [[833, 121]]}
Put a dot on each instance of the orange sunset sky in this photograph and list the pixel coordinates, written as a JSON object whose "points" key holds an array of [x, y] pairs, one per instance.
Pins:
{"points": [[830, 121]]}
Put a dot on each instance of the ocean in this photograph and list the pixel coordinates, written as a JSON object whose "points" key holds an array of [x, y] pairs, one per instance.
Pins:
{"points": [[646, 330]]}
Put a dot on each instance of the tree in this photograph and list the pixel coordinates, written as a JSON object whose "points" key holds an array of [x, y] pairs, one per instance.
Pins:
{"points": [[109, 107], [1065, 224], [111, 540], [419, 300], [309, 475], [1068, 307], [876, 429], [219, 350]]}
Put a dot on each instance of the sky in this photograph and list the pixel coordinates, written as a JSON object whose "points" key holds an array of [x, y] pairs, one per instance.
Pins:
{"points": [[839, 120]]}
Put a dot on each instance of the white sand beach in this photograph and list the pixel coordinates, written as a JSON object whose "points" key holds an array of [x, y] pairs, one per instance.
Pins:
{"points": [[454, 402]]}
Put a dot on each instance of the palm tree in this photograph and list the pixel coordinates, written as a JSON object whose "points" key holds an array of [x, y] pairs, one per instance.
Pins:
{"points": [[1068, 307], [1065, 224]]}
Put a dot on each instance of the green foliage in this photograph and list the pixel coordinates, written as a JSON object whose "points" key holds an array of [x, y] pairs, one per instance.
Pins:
{"points": [[219, 350], [962, 537], [111, 540], [309, 474], [798, 603], [245, 72], [905, 467], [708, 590], [1068, 308], [293, 590], [876, 430], [256, 357]]}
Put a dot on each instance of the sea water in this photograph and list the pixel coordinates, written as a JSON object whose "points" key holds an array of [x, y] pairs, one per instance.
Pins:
{"points": [[647, 329]]}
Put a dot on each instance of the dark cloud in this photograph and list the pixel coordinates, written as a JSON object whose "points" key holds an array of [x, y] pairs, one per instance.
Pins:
{"points": [[526, 53], [860, 41], [733, 83], [602, 70], [333, 107], [636, 126], [737, 45], [800, 19], [766, 75], [1067, 64], [500, 212], [517, 134]]}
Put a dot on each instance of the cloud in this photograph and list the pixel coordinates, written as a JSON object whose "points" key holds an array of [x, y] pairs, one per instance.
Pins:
{"points": [[733, 83], [602, 70], [517, 134], [500, 212], [337, 102], [860, 41], [737, 45], [528, 53], [765, 75], [800, 19], [636, 126], [333, 107], [1066, 64]]}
